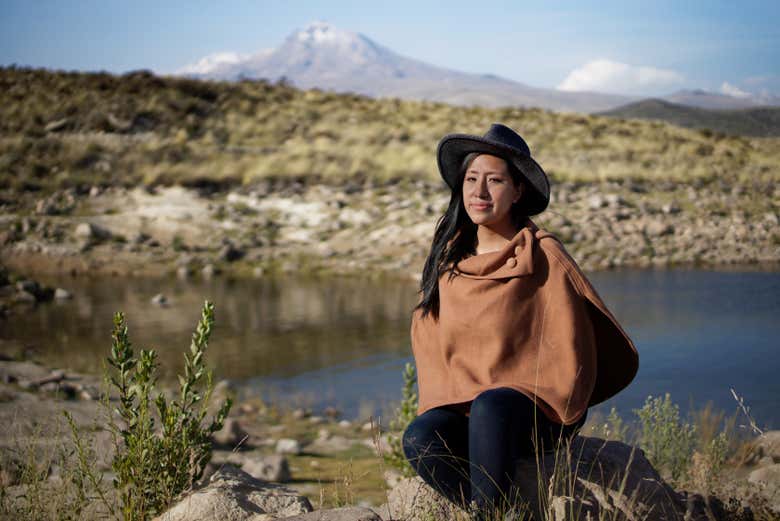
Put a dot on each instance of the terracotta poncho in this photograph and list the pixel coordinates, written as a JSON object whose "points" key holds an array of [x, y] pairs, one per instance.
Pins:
{"points": [[523, 317]]}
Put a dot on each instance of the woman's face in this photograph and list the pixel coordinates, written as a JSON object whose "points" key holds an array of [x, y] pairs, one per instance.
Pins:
{"points": [[488, 191]]}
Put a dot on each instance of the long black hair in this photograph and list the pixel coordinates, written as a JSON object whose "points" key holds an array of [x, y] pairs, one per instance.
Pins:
{"points": [[456, 223]]}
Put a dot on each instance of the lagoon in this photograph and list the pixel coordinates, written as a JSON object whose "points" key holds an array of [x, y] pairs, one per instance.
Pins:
{"points": [[343, 341]]}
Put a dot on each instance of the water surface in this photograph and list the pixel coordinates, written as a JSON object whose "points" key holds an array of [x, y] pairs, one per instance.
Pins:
{"points": [[344, 341]]}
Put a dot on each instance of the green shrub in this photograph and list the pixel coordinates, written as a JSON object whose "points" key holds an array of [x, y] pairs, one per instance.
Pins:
{"points": [[406, 412], [667, 442], [154, 466]]}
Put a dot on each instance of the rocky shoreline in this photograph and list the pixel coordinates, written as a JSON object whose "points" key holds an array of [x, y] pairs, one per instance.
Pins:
{"points": [[270, 463], [370, 229]]}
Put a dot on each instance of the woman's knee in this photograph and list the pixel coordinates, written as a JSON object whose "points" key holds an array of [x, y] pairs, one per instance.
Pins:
{"points": [[413, 436], [503, 401], [434, 430]]}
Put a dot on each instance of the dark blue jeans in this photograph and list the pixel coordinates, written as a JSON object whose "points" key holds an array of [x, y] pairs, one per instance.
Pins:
{"points": [[472, 458]]}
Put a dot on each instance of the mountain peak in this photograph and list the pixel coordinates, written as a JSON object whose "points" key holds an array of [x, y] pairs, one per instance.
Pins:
{"points": [[320, 32]]}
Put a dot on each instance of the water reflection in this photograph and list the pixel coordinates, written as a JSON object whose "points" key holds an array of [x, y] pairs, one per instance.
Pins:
{"points": [[345, 340]]}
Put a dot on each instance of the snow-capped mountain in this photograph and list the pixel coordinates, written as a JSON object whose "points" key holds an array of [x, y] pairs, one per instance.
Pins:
{"points": [[323, 56], [326, 57]]}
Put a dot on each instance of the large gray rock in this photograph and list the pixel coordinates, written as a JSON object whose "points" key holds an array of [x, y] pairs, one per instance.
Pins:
{"points": [[766, 446], [91, 233], [412, 500], [233, 495], [767, 483], [594, 479], [231, 435], [338, 514], [272, 467]]}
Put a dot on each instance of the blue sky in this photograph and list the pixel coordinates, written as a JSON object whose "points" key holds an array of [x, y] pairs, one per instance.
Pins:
{"points": [[639, 48]]}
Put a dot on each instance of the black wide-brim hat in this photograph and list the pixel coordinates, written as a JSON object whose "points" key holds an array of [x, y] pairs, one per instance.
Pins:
{"points": [[503, 142]]}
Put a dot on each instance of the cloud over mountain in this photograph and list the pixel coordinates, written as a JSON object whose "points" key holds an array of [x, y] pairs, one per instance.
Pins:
{"points": [[603, 75]]}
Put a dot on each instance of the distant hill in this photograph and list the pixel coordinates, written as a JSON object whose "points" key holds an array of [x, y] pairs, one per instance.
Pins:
{"points": [[74, 129], [717, 101], [758, 122]]}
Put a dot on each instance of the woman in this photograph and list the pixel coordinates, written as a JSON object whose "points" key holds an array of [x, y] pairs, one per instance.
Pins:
{"points": [[512, 343]]}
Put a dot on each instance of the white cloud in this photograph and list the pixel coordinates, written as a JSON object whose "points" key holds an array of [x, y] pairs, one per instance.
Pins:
{"points": [[213, 62], [603, 75], [732, 90]]}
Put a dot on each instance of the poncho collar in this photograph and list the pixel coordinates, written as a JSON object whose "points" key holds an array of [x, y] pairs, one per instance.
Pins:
{"points": [[514, 259]]}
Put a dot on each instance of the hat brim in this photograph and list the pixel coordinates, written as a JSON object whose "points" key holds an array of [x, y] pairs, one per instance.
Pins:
{"points": [[454, 147]]}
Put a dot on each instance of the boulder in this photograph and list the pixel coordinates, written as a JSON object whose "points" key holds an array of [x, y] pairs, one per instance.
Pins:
{"points": [[338, 514], [594, 479], [288, 446], [766, 446], [91, 233], [767, 482], [232, 494], [273, 467], [231, 434]]}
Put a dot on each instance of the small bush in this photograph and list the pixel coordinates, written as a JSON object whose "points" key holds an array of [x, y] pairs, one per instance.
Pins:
{"points": [[406, 412], [153, 467], [667, 442]]}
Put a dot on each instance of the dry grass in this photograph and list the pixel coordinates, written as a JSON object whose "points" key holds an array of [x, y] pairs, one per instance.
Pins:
{"points": [[138, 128]]}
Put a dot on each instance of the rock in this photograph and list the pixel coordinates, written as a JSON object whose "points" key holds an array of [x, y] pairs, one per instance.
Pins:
{"points": [[56, 125], [766, 446], [380, 445], [392, 477], [588, 486], [767, 481], [412, 500], [91, 233], [328, 444], [614, 200], [288, 446], [208, 271], [230, 253], [299, 414], [596, 201], [139, 238], [45, 207], [338, 514], [160, 300], [231, 434], [273, 467], [599, 468], [30, 286], [232, 494], [62, 294], [331, 412], [670, 208], [658, 229]]}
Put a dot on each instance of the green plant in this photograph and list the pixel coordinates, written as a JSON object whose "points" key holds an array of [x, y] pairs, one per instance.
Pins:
{"points": [[153, 467], [667, 442], [178, 244], [406, 412], [613, 428], [58, 478]]}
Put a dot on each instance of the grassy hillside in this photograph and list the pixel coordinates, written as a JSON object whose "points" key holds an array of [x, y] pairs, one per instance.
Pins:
{"points": [[61, 129], [759, 122]]}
